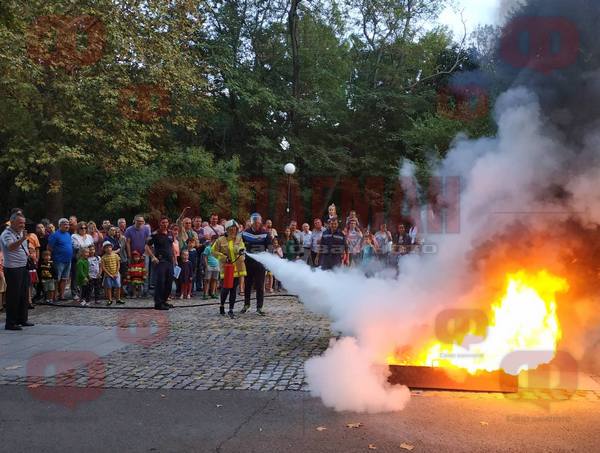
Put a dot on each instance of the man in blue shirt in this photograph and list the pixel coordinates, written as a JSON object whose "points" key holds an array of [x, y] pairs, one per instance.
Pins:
{"points": [[59, 243], [136, 236]]}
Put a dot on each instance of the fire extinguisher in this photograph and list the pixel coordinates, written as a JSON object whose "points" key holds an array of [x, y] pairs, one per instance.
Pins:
{"points": [[228, 271]]}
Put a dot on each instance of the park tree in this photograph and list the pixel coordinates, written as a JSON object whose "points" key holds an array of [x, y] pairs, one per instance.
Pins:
{"points": [[94, 84], [104, 95]]}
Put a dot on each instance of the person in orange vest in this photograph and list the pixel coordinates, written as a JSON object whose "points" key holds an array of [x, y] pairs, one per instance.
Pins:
{"points": [[230, 250]]}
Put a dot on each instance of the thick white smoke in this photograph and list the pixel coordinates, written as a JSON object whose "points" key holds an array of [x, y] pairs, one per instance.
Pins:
{"points": [[501, 180]]}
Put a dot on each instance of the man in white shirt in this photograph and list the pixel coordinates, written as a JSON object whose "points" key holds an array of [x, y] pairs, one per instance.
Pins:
{"points": [[13, 243], [214, 228], [306, 237]]}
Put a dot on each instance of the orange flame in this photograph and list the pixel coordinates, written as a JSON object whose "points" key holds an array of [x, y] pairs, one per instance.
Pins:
{"points": [[523, 319]]}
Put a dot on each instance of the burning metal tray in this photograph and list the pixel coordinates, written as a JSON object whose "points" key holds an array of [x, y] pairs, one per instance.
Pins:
{"points": [[423, 377]]}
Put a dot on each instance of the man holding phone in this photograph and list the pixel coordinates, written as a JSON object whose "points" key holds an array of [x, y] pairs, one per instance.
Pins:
{"points": [[13, 242]]}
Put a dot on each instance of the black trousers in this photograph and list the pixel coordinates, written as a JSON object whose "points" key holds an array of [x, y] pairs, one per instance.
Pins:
{"points": [[95, 288], [17, 285], [74, 287], [86, 291], [164, 282], [231, 292], [255, 277]]}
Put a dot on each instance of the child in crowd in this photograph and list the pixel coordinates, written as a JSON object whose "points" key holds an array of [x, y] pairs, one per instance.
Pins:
{"points": [[33, 276], [211, 264], [123, 266], [110, 265], [192, 245], [47, 276], [82, 275], [186, 275], [199, 280], [270, 282], [332, 211], [368, 252], [95, 275], [176, 251], [352, 216], [2, 282], [136, 274]]}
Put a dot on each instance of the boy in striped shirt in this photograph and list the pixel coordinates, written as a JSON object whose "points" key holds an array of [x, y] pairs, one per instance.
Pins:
{"points": [[110, 265]]}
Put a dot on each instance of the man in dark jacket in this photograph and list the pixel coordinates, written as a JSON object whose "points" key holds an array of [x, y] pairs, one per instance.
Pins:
{"points": [[257, 240], [159, 247], [332, 247]]}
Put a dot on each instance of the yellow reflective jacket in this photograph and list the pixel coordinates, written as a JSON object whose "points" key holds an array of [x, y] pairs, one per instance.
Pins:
{"points": [[225, 248]]}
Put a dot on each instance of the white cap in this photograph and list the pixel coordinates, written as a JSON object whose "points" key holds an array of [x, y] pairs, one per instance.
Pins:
{"points": [[105, 243], [231, 223]]}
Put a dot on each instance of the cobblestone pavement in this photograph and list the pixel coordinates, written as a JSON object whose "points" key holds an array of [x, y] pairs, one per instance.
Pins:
{"points": [[193, 347], [196, 348]]}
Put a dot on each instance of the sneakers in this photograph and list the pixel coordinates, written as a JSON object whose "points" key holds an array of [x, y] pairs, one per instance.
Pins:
{"points": [[214, 296], [231, 315], [120, 302], [83, 302], [108, 303], [205, 297], [245, 309], [260, 312]]}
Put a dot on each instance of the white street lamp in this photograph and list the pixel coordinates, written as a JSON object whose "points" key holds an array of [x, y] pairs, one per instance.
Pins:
{"points": [[289, 170]]}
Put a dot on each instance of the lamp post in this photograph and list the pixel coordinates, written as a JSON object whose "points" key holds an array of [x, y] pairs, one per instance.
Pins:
{"points": [[289, 170]]}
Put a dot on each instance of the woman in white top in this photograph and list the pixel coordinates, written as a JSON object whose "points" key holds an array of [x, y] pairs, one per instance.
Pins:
{"points": [[81, 239]]}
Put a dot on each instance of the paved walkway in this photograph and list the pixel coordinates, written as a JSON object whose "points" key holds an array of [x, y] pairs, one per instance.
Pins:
{"points": [[189, 347], [186, 347]]}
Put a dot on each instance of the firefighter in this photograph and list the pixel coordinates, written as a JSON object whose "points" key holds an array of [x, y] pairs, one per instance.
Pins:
{"points": [[258, 240], [230, 249], [332, 247]]}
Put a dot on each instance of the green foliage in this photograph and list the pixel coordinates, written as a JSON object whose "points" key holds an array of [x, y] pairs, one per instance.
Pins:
{"points": [[72, 138]]}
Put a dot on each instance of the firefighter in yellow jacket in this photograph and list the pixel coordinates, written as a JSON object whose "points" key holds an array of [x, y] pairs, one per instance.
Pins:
{"points": [[230, 249]]}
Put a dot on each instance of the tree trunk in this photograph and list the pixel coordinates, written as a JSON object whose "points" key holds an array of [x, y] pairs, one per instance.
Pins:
{"points": [[293, 30]]}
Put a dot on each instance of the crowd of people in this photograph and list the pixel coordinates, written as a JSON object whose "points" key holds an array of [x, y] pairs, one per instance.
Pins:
{"points": [[177, 261]]}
